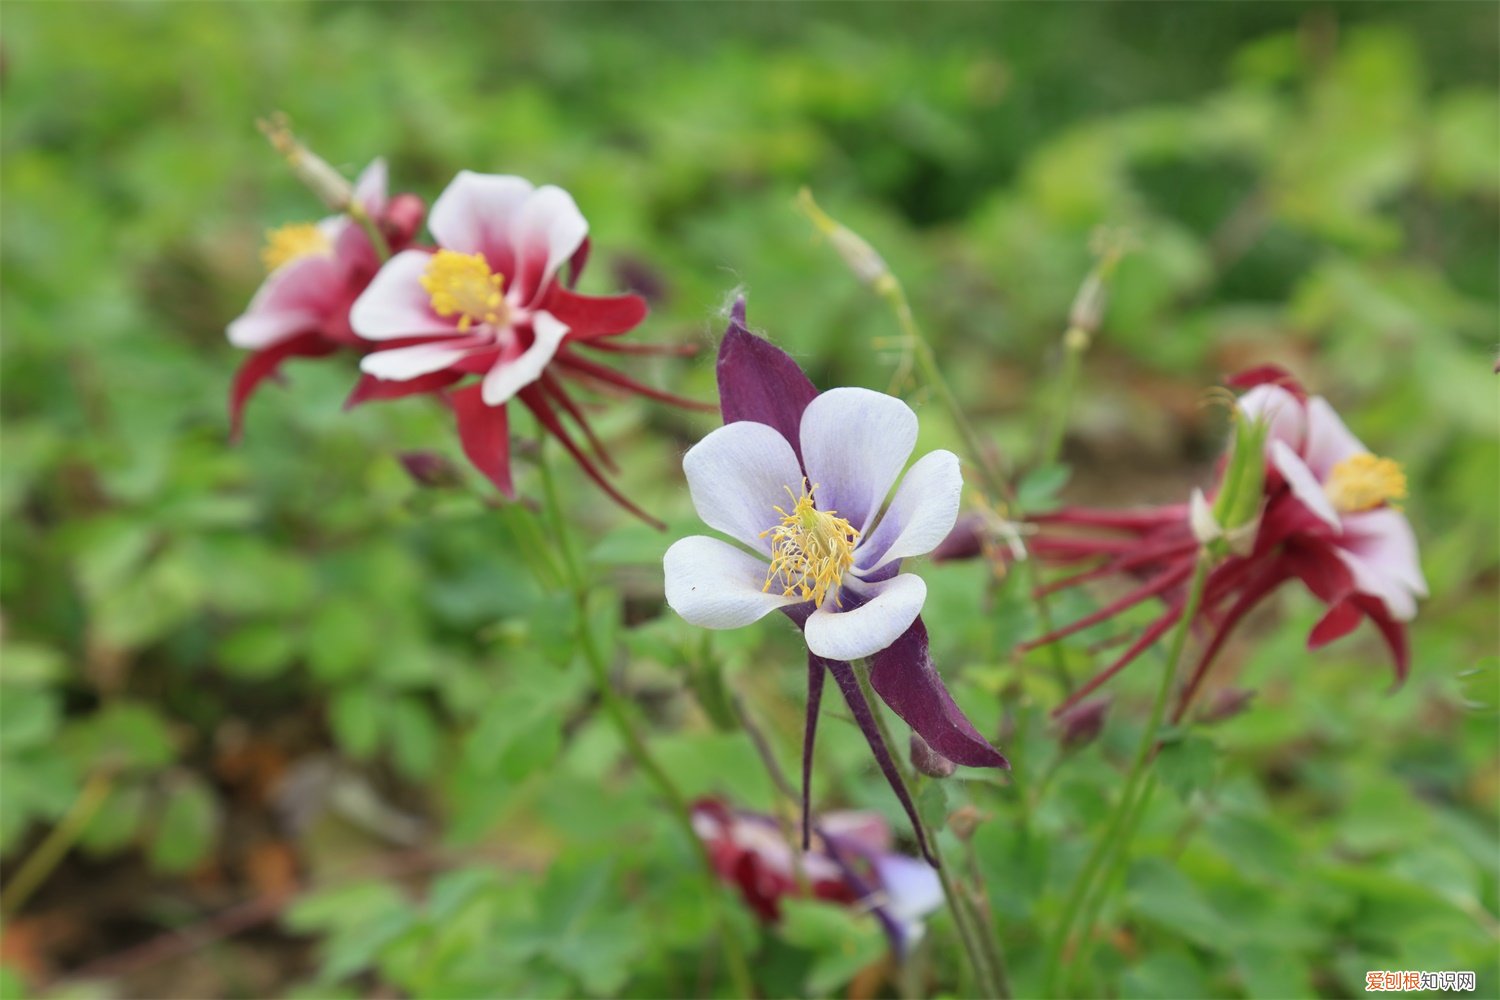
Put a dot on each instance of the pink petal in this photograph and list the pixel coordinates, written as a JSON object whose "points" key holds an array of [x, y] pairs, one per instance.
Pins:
{"points": [[1281, 410], [1305, 486], [547, 232], [295, 298], [508, 377], [478, 213], [1329, 442]]}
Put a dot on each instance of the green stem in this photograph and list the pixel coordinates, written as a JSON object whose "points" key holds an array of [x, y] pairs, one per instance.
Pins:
{"points": [[372, 230], [1075, 343], [49, 853], [1113, 845], [635, 744], [990, 982]]}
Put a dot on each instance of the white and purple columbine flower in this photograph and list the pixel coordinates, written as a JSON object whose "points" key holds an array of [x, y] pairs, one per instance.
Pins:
{"points": [[800, 480]]}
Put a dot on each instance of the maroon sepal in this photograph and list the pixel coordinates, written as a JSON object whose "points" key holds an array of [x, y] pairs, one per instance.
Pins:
{"points": [[263, 364], [758, 381], [589, 316], [904, 677], [370, 388], [484, 432]]}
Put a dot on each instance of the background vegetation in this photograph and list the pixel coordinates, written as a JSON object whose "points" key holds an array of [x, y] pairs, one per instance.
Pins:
{"points": [[335, 728]]}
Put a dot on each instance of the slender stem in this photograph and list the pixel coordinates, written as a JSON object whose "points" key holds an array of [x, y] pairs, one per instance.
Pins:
{"points": [[1075, 343], [372, 230], [1113, 845], [635, 743], [990, 985], [50, 852]]}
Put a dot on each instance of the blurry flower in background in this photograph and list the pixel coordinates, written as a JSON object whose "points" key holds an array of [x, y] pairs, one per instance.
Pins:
{"points": [[488, 301], [849, 862], [315, 271], [1326, 516], [800, 480]]}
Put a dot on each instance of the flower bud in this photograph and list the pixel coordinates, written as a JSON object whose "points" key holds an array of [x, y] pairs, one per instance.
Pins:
{"points": [[928, 760], [964, 820], [331, 187], [1080, 725], [429, 469], [1231, 525], [866, 263], [1226, 703], [965, 541]]}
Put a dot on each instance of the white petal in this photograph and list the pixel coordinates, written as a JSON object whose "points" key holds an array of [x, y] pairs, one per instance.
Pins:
{"points": [[855, 443], [404, 363], [396, 305], [921, 514], [1329, 442], [1282, 411], [507, 378], [548, 230], [1384, 548], [712, 584], [862, 631], [1305, 485], [737, 475], [370, 188], [477, 213]]}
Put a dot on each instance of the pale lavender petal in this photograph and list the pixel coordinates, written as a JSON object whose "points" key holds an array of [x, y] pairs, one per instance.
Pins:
{"points": [[855, 443], [737, 475], [477, 213], [921, 514], [868, 831], [507, 378], [548, 230], [1304, 485], [1329, 442], [912, 887], [859, 632], [712, 584], [396, 305]]}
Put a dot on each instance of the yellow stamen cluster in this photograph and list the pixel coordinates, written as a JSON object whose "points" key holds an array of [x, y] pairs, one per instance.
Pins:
{"points": [[1363, 482], [289, 243], [462, 284], [811, 549]]}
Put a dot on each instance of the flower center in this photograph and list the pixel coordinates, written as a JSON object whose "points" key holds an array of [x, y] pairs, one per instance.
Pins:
{"points": [[462, 284], [811, 549], [289, 243], [1362, 482]]}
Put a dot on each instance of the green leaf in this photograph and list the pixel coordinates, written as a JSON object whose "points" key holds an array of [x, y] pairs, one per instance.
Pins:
{"points": [[1187, 765], [356, 714], [187, 827], [1037, 491], [842, 941]]}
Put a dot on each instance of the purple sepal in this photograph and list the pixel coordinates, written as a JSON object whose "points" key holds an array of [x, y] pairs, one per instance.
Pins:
{"points": [[843, 675], [903, 675], [817, 669], [760, 382]]}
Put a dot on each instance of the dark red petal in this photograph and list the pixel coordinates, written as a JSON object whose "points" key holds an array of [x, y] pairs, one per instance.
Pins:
{"points": [[600, 373], [1392, 631], [370, 388], [1340, 620], [1167, 580], [264, 363], [843, 676], [618, 347], [575, 263], [554, 389], [1268, 578], [484, 432], [1321, 570], [535, 401], [904, 677], [759, 381], [1124, 520], [1153, 632], [1267, 375], [589, 316]]}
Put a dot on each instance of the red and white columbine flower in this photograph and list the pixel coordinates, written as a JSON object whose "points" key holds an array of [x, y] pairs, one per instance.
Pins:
{"points": [[850, 862], [1327, 519], [488, 302], [316, 271]]}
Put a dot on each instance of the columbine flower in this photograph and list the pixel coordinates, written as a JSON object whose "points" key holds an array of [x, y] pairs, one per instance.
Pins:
{"points": [[487, 302], [850, 862], [315, 272], [800, 480], [1326, 518]]}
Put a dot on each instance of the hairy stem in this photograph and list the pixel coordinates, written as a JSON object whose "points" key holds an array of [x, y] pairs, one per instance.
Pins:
{"points": [[49, 853]]}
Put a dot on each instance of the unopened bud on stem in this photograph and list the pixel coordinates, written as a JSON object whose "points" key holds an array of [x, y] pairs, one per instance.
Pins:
{"points": [[331, 187], [929, 761], [866, 263]]}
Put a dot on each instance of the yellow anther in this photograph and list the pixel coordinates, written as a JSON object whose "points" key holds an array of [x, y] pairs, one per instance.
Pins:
{"points": [[811, 549], [462, 284], [1363, 482], [289, 243]]}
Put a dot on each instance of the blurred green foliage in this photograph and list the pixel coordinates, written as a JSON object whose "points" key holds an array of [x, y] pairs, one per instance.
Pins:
{"points": [[204, 627]]}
